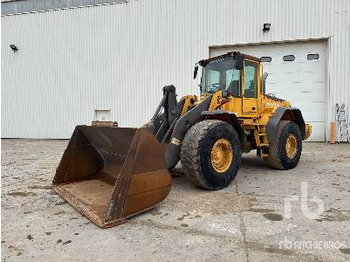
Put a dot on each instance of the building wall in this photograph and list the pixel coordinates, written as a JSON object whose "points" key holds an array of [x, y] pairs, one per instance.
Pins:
{"points": [[20, 6], [119, 56]]}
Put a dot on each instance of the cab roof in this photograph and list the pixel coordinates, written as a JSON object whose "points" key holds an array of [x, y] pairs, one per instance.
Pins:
{"points": [[234, 54]]}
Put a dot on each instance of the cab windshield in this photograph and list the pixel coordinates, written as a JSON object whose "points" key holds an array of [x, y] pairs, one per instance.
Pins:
{"points": [[219, 75]]}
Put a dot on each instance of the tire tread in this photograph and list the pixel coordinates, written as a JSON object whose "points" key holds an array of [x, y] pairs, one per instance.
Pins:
{"points": [[190, 148], [274, 159]]}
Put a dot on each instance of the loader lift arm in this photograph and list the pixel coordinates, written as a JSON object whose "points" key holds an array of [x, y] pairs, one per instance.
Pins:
{"points": [[165, 114], [170, 128]]}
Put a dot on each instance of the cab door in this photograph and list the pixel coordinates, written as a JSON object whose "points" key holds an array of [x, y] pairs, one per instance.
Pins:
{"points": [[250, 88]]}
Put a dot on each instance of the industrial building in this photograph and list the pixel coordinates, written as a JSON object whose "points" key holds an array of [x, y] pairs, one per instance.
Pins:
{"points": [[66, 63]]}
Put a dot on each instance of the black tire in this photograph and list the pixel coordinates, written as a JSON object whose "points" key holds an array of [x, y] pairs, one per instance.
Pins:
{"points": [[196, 152], [277, 150]]}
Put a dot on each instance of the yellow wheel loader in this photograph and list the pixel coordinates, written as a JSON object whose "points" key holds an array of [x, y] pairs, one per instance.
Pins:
{"points": [[110, 173]]}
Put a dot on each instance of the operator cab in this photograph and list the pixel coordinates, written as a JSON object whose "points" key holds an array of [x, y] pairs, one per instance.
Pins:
{"points": [[230, 72]]}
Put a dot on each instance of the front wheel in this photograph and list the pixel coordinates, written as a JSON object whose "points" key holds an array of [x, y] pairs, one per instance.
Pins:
{"points": [[285, 150], [211, 154]]}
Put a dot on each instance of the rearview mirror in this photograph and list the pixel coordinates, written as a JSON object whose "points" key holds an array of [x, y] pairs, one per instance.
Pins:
{"points": [[195, 71]]}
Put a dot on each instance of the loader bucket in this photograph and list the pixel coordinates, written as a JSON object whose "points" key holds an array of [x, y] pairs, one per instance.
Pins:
{"points": [[111, 173]]}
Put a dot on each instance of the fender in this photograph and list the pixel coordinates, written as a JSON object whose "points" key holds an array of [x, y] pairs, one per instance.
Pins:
{"points": [[284, 113], [229, 117]]}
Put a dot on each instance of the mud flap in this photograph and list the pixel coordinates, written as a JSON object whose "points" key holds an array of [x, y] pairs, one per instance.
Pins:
{"points": [[109, 173]]}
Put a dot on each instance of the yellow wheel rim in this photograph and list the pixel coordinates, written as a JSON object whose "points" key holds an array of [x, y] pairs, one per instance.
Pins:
{"points": [[221, 155], [291, 146]]}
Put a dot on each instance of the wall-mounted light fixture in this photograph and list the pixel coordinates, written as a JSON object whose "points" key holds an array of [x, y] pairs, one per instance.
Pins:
{"points": [[266, 27], [14, 48]]}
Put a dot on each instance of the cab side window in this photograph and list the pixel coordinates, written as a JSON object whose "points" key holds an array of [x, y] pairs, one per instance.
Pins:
{"points": [[233, 78], [250, 79]]}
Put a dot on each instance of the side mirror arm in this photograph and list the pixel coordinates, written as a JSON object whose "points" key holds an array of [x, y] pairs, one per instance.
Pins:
{"points": [[195, 71]]}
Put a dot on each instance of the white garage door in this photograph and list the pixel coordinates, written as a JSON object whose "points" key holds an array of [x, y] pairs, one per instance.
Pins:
{"points": [[297, 72]]}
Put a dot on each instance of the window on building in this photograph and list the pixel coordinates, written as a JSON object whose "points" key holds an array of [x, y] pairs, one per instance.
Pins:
{"points": [[102, 114], [266, 59], [289, 58], [250, 76], [313, 56]]}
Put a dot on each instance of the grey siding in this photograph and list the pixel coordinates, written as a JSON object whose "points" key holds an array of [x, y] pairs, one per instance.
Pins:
{"points": [[74, 61]]}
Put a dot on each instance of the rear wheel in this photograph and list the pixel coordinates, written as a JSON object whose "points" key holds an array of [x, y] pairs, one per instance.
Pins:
{"points": [[285, 150], [211, 154]]}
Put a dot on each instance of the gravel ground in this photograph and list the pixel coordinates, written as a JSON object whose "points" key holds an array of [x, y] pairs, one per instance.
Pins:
{"points": [[244, 222]]}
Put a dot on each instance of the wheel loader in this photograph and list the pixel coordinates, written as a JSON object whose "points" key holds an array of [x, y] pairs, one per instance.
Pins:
{"points": [[110, 173]]}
